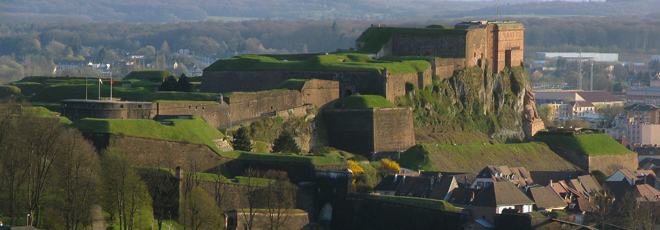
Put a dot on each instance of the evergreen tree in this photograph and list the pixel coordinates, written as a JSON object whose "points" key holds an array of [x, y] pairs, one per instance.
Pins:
{"points": [[184, 84], [170, 84], [285, 144], [242, 140]]}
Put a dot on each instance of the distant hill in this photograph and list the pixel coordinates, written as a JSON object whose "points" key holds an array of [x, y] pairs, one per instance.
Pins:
{"points": [[232, 10]]}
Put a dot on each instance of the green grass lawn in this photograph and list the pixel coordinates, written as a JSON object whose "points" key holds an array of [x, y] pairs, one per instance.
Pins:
{"points": [[330, 62], [195, 131], [473, 158], [376, 37], [292, 84], [40, 111], [412, 201], [364, 101], [590, 144], [59, 92]]}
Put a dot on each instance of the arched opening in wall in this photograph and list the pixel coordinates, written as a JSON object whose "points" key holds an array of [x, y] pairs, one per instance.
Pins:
{"points": [[348, 92], [409, 87]]}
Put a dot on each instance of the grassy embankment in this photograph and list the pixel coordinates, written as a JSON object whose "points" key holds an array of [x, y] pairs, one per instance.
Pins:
{"points": [[195, 131], [411, 201], [472, 158], [590, 144], [376, 37], [330, 62]]}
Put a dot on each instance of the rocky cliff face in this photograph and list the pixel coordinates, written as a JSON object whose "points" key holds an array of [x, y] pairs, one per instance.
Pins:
{"points": [[473, 100]]}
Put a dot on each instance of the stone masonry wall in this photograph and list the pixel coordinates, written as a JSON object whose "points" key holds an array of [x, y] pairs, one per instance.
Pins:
{"points": [[445, 67], [243, 106], [320, 92], [396, 83], [372, 130], [252, 81], [210, 112], [476, 46], [609, 164], [393, 129], [507, 37], [78, 109], [350, 129], [436, 45]]}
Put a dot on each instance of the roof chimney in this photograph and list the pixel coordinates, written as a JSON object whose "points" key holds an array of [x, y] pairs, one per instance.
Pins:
{"points": [[395, 176]]}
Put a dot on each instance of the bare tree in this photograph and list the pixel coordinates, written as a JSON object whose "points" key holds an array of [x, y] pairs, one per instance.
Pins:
{"points": [[76, 178], [279, 198], [251, 187], [605, 209], [14, 165]]}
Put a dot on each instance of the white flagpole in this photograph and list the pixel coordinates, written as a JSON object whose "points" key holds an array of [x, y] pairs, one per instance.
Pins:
{"points": [[100, 89], [85, 88], [111, 82]]}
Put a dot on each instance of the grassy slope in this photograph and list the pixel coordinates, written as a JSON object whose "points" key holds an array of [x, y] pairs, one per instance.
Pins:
{"points": [[192, 131], [412, 201], [331, 62], [292, 84], [472, 158], [44, 112], [57, 93], [590, 144], [364, 101], [376, 37]]}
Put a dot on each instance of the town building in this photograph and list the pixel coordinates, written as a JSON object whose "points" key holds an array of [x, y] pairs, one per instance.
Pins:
{"points": [[648, 96], [519, 177], [500, 197], [597, 57], [597, 98]]}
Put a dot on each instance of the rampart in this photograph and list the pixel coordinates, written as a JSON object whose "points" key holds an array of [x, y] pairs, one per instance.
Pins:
{"points": [[320, 92], [608, 163], [212, 112], [445, 67], [350, 82], [234, 108], [358, 213], [78, 109], [371, 130]]}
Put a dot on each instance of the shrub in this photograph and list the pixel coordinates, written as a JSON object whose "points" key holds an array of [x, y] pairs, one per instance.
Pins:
{"points": [[285, 143], [390, 166]]}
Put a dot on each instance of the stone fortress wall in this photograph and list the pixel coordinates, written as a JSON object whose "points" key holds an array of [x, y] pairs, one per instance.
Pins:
{"points": [[79, 109], [385, 84], [370, 131], [228, 110]]}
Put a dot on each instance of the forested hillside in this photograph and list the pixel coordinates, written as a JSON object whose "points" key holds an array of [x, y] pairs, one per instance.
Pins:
{"points": [[30, 49], [191, 10]]}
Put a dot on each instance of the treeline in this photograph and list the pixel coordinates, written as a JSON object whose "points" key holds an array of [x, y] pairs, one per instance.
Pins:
{"points": [[636, 9], [29, 49]]}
